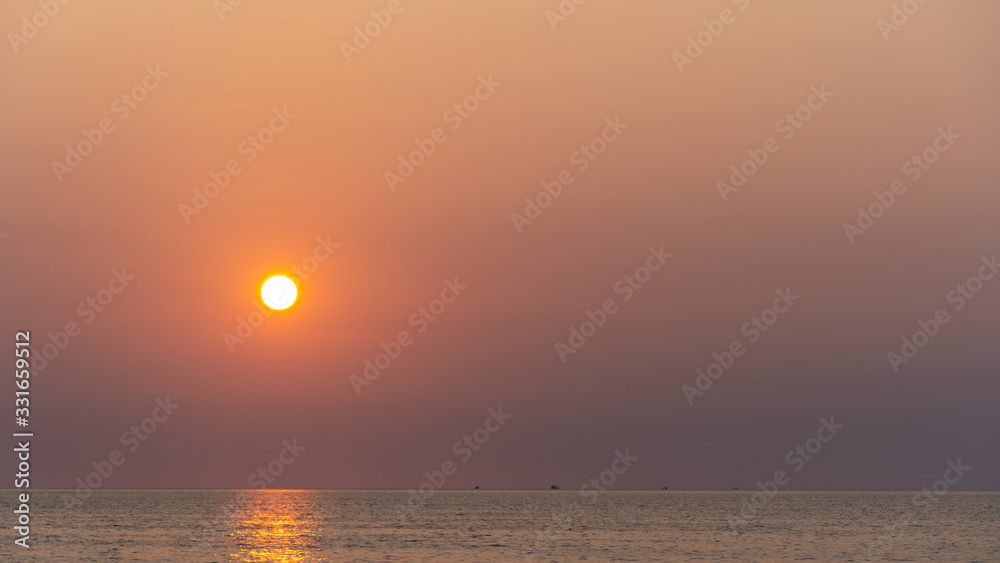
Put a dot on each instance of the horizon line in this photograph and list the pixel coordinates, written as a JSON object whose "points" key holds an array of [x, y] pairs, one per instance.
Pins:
{"points": [[274, 489]]}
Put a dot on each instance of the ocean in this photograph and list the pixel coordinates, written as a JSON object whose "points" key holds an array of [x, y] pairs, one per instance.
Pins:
{"points": [[291, 526]]}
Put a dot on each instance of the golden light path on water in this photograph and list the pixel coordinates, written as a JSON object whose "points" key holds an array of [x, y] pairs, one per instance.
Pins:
{"points": [[278, 526]]}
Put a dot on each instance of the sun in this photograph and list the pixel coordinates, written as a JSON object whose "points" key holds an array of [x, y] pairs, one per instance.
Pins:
{"points": [[279, 292]]}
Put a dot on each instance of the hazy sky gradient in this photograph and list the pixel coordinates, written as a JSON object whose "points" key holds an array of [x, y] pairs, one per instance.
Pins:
{"points": [[323, 176]]}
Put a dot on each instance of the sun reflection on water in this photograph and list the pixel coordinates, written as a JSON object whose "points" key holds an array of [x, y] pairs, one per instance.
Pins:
{"points": [[276, 526]]}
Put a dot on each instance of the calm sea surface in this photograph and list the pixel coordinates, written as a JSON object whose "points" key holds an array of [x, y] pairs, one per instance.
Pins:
{"points": [[509, 526]]}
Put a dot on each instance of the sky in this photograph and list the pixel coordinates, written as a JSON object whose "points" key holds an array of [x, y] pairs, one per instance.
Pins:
{"points": [[563, 215]]}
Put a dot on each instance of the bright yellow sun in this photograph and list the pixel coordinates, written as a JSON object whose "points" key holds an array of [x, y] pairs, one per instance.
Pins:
{"points": [[279, 292]]}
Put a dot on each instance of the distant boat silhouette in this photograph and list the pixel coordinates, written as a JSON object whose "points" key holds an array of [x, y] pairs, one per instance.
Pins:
{"points": [[554, 487], [477, 487]]}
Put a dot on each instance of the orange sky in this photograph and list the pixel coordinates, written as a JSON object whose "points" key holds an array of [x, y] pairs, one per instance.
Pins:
{"points": [[344, 124]]}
